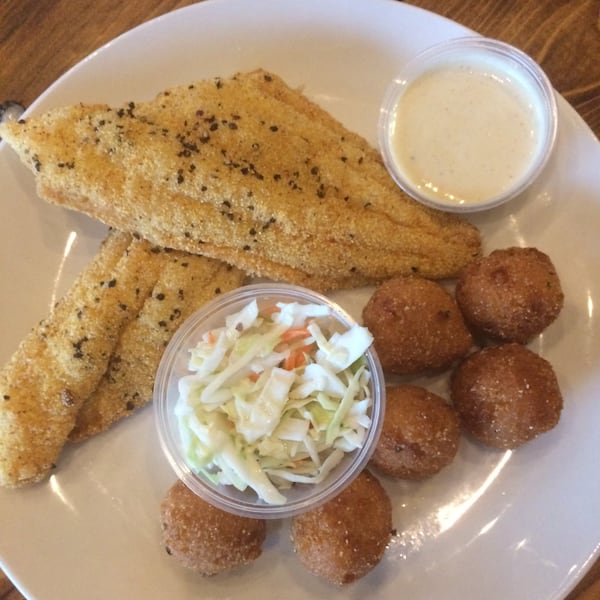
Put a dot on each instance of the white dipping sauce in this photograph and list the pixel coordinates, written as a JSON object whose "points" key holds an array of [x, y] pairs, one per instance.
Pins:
{"points": [[466, 131]]}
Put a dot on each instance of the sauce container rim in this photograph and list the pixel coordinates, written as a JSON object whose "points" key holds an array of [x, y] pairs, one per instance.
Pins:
{"points": [[473, 48]]}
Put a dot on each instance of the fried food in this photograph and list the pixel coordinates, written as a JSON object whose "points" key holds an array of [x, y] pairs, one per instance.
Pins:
{"points": [[345, 538], [506, 395], [510, 295], [184, 283], [246, 170], [416, 326], [207, 539], [62, 359], [420, 434], [92, 360]]}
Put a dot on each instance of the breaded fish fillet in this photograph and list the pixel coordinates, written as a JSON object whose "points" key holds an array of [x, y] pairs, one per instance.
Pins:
{"points": [[185, 282], [247, 170], [92, 361], [60, 362]]}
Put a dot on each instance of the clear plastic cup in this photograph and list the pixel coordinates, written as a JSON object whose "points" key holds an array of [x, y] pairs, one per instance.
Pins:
{"points": [[174, 365], [467, 124]]}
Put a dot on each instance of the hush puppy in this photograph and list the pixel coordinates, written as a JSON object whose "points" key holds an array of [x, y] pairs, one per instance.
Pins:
{"points": [[420, 434], [345, 538], [510, 295], [506, 395], [207, 539], [416, 325]]}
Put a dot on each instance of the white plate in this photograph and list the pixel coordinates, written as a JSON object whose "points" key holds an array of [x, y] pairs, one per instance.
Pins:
{"points": [[492, 525]]}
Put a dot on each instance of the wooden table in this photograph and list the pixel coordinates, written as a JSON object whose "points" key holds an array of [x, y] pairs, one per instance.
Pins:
{"points": [[41, 39]]}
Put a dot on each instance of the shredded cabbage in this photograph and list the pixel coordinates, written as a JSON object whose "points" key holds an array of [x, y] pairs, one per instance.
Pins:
{"points": [[274, 398]]}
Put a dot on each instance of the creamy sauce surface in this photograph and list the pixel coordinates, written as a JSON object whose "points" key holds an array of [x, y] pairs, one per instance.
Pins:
{"points": [[464, 134]]}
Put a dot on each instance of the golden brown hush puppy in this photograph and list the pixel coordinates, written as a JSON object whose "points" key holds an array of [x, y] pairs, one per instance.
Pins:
{"points": [[207, 539], [345, 538], [420, 434], [416, 326], [506, 395], [510, 295]]}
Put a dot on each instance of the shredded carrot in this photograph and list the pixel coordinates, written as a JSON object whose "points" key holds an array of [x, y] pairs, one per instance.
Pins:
{"points": [[308, 348], [295, 333], [253, 376], [296, 358], [210, 338], [289, 363]]}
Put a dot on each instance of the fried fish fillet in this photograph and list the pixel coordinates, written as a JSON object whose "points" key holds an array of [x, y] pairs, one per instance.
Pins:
{"points": [[92, 361], [247, 170], [60, 362], [185, 282]]}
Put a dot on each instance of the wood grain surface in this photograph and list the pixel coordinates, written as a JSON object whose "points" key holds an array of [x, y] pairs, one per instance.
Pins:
{"points": [[41, 39]]}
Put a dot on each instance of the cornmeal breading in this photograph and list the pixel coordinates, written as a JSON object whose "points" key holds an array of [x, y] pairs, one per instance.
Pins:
{"points": [[247, 170], [231, 238], [61, 361], [92, 361], [185, 283]]}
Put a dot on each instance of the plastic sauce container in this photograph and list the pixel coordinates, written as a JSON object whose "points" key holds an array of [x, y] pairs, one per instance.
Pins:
{"points": [[468, 124]]}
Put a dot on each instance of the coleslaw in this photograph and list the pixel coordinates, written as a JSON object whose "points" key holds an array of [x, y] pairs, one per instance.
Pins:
{"points": [[274, 398]]}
